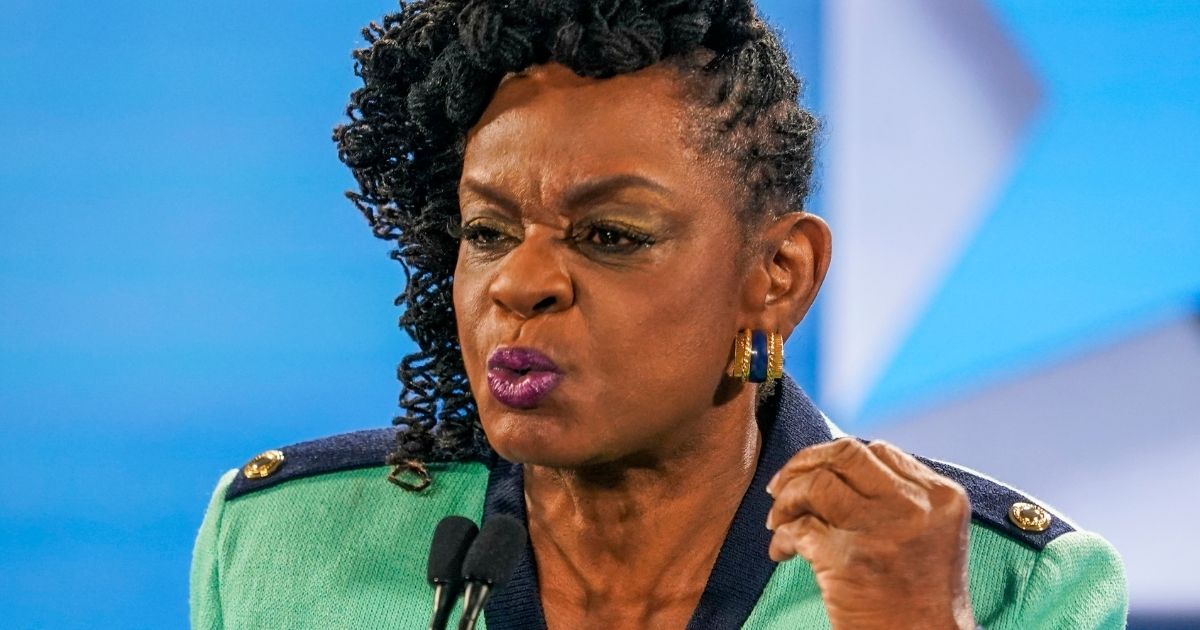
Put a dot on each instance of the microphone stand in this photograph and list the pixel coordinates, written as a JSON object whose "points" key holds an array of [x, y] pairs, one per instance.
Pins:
{"points": [[444, 596], [476, 594]]}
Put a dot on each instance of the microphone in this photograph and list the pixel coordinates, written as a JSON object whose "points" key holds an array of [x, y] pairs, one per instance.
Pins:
{"points": [[450, 541], [489, 564]]}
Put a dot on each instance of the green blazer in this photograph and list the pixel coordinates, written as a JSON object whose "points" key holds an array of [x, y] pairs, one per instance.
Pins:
{"points": [[313, 536]]}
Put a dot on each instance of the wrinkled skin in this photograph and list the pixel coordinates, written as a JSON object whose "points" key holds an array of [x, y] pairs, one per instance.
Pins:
{"points": [[597, 232], [873, 519]]}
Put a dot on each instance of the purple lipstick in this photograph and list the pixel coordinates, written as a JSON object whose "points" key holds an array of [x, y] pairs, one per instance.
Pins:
{"points": [[521, 377]]}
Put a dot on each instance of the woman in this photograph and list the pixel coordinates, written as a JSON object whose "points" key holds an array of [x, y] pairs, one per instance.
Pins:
{"points": [[600, 207]]}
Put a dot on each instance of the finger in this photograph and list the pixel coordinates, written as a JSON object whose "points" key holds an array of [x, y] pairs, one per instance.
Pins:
{"points": [[846, 457], [799, 537], [823, 494], [902, 463], [942, 490]]}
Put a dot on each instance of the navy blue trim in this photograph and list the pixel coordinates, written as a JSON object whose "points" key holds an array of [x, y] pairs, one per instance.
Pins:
{"points": [[360, 449], [518, 605], [990, 502], [788, 422]]}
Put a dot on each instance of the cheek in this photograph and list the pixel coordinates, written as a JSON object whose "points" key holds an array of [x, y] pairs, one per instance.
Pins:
{"points": [[674, 325], [693, 294], [468, 295]]}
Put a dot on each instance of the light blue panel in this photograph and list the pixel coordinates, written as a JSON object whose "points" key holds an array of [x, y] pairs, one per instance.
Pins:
{"points": [[182, 283], [1098, 232]]}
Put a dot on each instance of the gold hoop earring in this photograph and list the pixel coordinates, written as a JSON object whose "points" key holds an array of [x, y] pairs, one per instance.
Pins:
{"points": [[757, 356]]}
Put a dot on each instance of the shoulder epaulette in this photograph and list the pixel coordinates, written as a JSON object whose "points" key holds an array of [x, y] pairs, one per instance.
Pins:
{"points": [[346, 451], [993, 504], [1003, 508]]}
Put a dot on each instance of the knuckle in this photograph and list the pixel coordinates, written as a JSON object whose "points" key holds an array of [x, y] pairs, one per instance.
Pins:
{"points": [[951, 496], [782, 479], [960, 502], [901, 459], [820, 454], [947, 489], [824, 482], [789, 529], [915, 501], [881, 446], [798, 527], [791, 499], [848, 449], [850, 443], [804, 459]]}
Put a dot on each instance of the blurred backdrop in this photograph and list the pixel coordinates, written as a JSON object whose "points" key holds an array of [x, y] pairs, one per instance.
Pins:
{"points": [[1016, 282]]}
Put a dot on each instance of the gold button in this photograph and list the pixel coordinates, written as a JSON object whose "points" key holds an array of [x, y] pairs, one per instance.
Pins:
{"points": [[263, 464], [1029, 517]]}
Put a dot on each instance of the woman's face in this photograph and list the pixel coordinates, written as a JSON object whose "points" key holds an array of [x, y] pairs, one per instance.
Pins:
{"points": [[597, 235]]}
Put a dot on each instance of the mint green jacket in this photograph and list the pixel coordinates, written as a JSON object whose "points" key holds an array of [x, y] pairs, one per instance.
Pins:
{"points": [[322, 540]]}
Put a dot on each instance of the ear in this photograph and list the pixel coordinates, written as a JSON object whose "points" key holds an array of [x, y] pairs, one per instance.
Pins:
{"points": [[796, 253]]}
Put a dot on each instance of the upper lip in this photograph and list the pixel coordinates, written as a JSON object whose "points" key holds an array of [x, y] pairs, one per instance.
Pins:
{"points": [[520, 359]]}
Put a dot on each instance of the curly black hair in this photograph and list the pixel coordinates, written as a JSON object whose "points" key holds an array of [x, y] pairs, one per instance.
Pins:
{"points": [[429, 71]]}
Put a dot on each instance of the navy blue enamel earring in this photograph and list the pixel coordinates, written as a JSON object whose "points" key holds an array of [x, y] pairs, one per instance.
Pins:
{"points": [[757, 356]]}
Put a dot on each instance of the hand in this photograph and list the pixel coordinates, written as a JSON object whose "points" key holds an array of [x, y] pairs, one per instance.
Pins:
{"points": [[886, 536]]}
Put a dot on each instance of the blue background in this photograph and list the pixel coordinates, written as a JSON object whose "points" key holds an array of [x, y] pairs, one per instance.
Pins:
{"points": [[1096, 232], [182, 283]]}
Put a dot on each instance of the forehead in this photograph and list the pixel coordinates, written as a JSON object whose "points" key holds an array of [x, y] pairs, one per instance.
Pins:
{"points": [[553, 123]]}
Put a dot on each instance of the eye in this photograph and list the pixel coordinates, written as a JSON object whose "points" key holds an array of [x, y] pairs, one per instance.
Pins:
{"points": [[484, 236], [613, 238]]}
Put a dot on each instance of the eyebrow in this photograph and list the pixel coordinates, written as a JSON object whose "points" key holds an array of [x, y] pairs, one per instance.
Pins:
{"points": [[492, 194], [594, 189], [578, 195]]}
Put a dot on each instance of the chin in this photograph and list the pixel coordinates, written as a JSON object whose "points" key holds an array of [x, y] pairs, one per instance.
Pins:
{"points": [[522, 439], [528, 448]]}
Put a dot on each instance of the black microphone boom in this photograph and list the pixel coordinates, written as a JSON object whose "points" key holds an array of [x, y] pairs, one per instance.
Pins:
{"points": [[489, 564], [451, 540]]}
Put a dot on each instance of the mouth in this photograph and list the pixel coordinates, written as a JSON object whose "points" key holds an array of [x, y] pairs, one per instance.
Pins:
{"points": [[521, 377]]}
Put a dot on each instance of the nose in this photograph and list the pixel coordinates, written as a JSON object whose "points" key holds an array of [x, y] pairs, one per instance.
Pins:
{"points": [[531, 280]]}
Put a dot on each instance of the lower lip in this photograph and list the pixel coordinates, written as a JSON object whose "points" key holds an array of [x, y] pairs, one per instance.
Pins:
{"points": [[522, 391]]}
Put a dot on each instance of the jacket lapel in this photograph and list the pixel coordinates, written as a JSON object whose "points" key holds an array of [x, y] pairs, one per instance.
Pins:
{"points": [[788, 421]]}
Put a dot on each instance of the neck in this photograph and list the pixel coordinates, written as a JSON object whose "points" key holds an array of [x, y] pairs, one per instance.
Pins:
{"points": [[645, 536]]}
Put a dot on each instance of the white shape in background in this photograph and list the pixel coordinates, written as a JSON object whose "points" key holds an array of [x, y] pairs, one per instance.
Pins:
{"points": [[1101, 437], [925, 102]]}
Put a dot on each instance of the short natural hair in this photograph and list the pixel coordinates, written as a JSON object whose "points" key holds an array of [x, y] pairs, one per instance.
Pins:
{"points": [[429, 72]]}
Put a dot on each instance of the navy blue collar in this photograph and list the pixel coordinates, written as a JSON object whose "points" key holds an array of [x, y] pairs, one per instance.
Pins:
{"points": [[788, 422]]}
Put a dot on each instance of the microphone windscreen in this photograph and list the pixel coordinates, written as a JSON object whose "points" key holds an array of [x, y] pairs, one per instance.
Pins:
{"points": [[494, 554], [451, 540]]}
